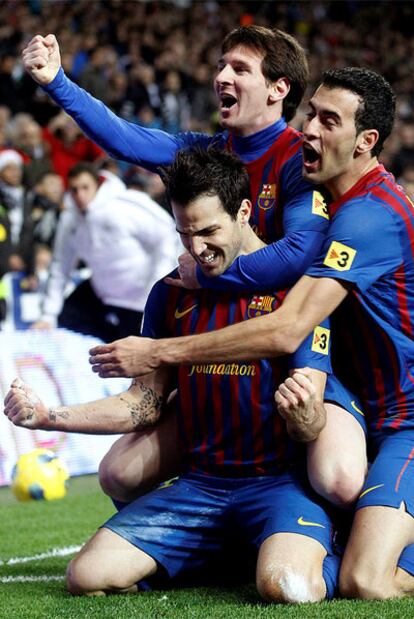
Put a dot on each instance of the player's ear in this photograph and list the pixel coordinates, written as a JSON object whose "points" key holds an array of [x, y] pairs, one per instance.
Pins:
{"points": [[244, 212], [366, 141], [279, 90]]}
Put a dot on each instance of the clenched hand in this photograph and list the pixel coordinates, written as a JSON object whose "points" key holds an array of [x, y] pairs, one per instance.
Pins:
{"points": [[41, 58], [296, 402], [23, 407]]}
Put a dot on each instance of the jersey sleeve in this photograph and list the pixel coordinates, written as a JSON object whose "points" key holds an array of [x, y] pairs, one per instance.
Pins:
{"points": [[281, 264], [315, 350], [362, 245], [154, 323], [304, 207], [124, 140], [273, 267]]}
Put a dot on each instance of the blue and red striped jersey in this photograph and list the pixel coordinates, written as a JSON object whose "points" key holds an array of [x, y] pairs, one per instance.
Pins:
{"points": [[228, 423], [282, 200], [370, 243], [287, 211]]}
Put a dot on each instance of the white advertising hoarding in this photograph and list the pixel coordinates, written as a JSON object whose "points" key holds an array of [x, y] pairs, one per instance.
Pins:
{"points": [[55, 364]]}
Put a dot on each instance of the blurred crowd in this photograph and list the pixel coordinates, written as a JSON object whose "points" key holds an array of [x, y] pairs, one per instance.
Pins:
{"points": [[153, 63]]}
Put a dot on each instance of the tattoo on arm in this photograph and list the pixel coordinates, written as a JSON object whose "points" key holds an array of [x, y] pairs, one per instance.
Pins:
{"points": [[29, 415], [54, 413], [146, 412]]}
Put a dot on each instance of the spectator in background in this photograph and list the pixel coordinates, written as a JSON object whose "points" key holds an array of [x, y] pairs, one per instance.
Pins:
{"points": [[110, 165], [116, 92], [68, 145], [16, 243], [15, 230], [10, 94], [203, 101], [5, 115], [26, 253], [175, 108], [127, 241], [26, 136], [5, 243], [143, 90], [102, 66], [150, 183], [146, 118], [406, 179], [46, 200], [404, 157]]}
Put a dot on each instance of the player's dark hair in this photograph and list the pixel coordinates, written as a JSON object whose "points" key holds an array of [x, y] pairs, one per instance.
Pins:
{"points": [[376, 109], [282, 57], [81, 168], [211, 172]]}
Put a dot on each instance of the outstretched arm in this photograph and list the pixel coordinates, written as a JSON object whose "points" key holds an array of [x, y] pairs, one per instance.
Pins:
{"points": [[273, 267], [124, 140], [277, 333], [135, 409], [276, 266]]}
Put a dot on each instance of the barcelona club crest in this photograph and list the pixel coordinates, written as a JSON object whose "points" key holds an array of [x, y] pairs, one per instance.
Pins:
{"points": [[267, 197], [260, 305]]}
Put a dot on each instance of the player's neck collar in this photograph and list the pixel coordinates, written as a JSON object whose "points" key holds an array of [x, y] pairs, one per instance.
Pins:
{"points": [[362, 185], [252, 146]]}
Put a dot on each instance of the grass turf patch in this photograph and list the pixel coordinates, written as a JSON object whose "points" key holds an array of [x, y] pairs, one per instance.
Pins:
{"points": [[34, 529]]}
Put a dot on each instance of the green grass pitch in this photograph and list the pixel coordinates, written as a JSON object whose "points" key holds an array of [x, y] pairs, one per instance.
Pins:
{"points": [[35, 529]]}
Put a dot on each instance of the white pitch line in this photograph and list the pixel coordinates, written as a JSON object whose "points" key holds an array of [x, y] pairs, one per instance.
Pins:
{"points": [[7, 579], [55, 552]]}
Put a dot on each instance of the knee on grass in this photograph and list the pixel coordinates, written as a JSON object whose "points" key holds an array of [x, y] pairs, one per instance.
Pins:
{"points": [[364, 585], [82, 578], [285, 585], [76, 583]]}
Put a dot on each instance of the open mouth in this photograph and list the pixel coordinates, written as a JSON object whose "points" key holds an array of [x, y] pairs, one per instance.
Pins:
{"points": [[311, 157], [208, 258], [227, 101]]}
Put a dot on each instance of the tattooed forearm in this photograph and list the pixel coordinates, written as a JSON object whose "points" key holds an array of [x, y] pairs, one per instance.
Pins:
{"points": [[145, 412], [55, 413], [29, 415]]}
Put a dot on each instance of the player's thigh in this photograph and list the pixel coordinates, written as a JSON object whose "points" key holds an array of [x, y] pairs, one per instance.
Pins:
{"points": [[181, 524], [384, 522], [378, 536], [108, 562], [289, 569], [337, 460], [138, 461]]}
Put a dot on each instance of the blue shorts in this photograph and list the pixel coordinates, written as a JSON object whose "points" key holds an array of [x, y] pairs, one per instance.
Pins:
{"points": [[390, 479], [184, 525], [337, 393]]}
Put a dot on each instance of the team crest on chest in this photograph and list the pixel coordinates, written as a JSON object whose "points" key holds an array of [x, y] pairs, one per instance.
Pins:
{"points": [[260, 305], [267, 196]]}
